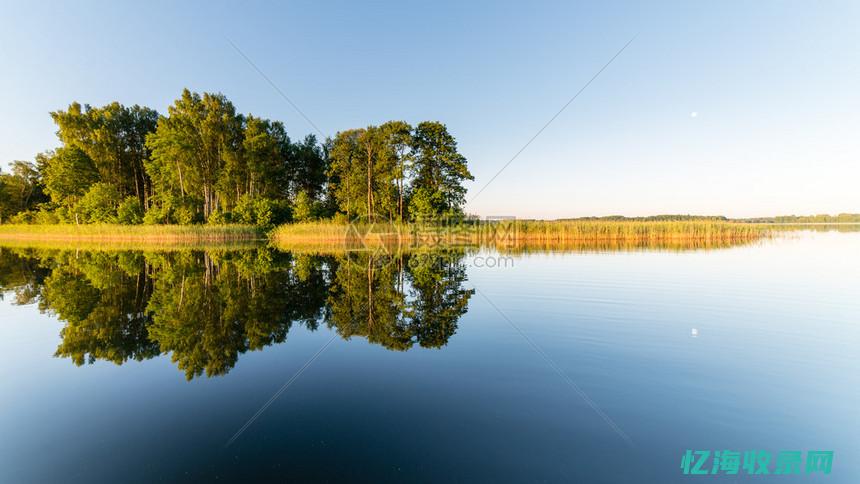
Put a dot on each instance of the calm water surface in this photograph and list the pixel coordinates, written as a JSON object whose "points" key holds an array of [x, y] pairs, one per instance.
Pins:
{"points": [[439, 366]]}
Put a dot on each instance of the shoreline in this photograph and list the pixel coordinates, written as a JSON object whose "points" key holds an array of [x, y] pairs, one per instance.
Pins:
{"points": [[131, 233], [511, 234]]}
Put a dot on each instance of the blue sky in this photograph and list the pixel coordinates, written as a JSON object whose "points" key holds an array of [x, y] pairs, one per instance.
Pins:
{"points": [[775, 88]]}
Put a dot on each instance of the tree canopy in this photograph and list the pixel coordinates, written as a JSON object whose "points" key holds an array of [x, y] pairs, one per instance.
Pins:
{"points": [[205, 162]]}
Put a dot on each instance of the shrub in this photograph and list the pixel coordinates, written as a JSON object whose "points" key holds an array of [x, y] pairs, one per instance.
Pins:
{"points": [[129, 212], [243, 212], [99, 204], [157, 215], [186, 215], [340, 218], [25, 217], [423, 203], [220, 218], [263, 212], [47, 217], [303, 208], [273, 212]]}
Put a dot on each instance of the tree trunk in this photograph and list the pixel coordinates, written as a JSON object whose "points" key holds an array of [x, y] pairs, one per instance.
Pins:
{"points": [[181, 182], [369, 187]]}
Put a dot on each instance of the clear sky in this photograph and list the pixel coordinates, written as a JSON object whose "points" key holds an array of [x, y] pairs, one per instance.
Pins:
{"points": [[734, 108]]}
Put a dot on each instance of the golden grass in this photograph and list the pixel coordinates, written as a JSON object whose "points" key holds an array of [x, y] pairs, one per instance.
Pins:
{"points": [[516, 232], [129, 234], [128, 245]]}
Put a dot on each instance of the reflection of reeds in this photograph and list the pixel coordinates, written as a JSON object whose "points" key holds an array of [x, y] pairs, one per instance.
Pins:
{"points": [[620, 245], [132, 234]]}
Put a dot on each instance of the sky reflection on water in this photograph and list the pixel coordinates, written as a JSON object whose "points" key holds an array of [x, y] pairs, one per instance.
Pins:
{"points": [[429, 383]]}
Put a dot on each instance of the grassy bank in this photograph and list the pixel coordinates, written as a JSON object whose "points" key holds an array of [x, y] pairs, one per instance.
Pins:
{"points": [[154, 234], [511, 233]]}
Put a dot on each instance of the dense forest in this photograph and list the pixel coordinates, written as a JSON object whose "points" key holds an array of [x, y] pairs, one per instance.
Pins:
{"points": [[205, 163]]}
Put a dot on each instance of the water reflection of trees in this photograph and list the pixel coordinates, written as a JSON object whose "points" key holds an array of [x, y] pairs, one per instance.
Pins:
{"points": [[400, 301], [207, 308]]}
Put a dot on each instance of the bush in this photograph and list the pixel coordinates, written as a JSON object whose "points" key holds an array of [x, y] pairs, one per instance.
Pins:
{"points": [[340, 218], [99, 204], [423, 203], [157, 215], [220, 218], [64, 214], [273, 212], [243, 212], [25, 217], [129, 212], [263, 212], [46, 217], [304, 208], [186, 215]]}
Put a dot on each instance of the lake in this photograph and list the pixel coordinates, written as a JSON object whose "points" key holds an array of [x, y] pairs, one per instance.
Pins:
{"points": [[437, 365]]}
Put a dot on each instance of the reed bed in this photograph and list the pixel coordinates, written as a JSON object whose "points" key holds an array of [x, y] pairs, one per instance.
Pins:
{"points": [[637, 231], [519, 231], [129, 245], [117, 234]]}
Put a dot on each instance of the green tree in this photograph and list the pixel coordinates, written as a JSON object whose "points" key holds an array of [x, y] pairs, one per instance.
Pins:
{"points": [[67, 173], [114, 137], [9, 203], [32, 190], [438, 172], [192, 146], [398, 136], [363, 169], [304, 208], [99, 204], [266, 148], [307, 167], [21, 190], [129, 211], [376, 156], [346, 175]]}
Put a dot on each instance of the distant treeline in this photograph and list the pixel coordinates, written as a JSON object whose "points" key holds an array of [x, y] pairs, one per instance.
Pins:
{"points": [[205, 163], [651, 218], [807, 219], [786, 219]]}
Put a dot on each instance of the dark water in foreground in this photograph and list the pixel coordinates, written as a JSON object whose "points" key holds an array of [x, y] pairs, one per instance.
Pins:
{"points": [[438, 366]]}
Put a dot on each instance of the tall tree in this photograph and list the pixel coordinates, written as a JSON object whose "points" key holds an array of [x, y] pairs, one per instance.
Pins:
{"points": [[67, 174], [439, 171], [346, 174], [32, 189], [307, 167], [114, 137], [266, 149], [9, 205], [191, 146], [20, 190], [363, 164], [398, 138]]}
